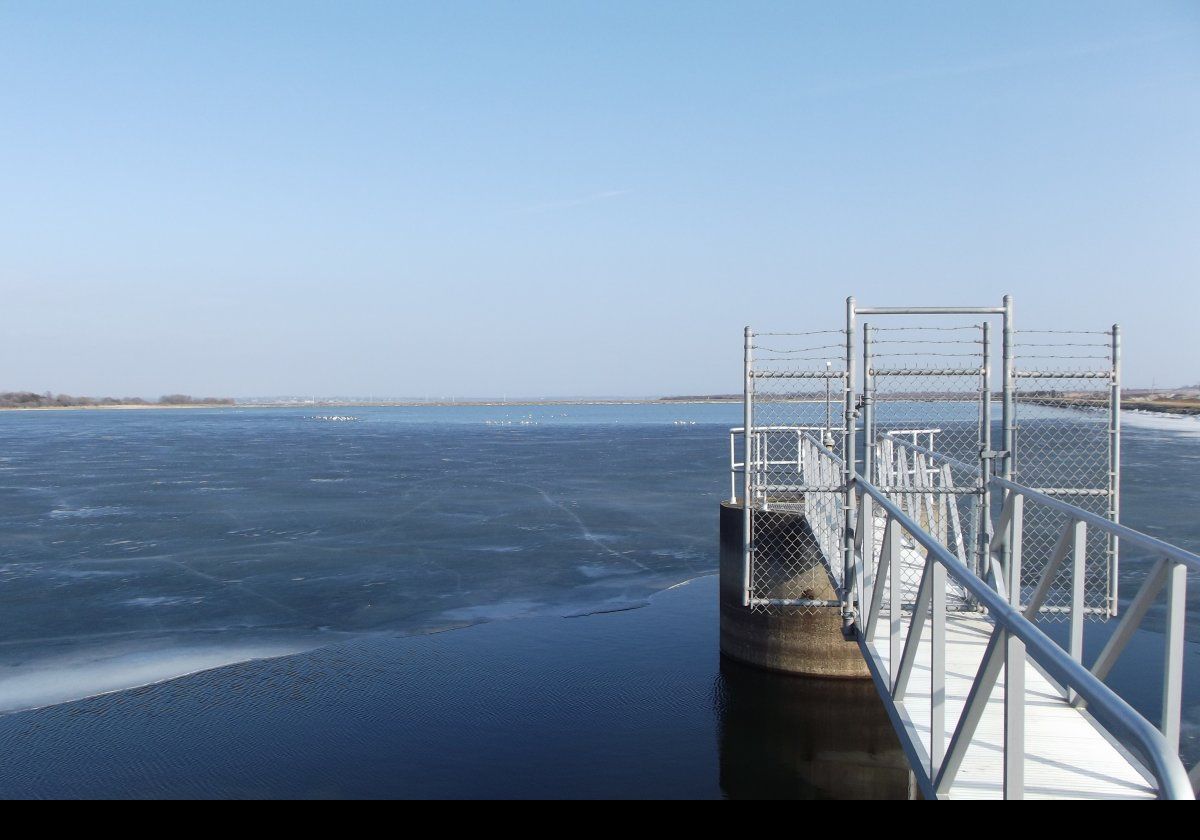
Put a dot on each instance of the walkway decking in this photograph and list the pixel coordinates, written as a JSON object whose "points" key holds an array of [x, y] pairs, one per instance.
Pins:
{"points": [[1067, 756]]}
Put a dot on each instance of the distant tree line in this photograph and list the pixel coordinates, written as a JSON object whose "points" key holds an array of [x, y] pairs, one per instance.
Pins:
{"points": [[28, 399]]}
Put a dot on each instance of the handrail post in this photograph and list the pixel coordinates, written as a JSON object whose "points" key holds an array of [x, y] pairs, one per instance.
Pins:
{"points": [[937, 669], [747, 447], [895, 596], [1078, 578], [866, 541], [1012, 548], [1014, 663], [1014, 717], [1172, 699]]}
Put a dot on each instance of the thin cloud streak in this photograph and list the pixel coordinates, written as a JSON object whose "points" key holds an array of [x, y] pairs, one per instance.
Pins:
{"points": [[567, 204]]}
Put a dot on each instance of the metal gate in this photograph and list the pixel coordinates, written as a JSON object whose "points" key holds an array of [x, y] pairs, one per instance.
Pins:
{"points": [[926, 398]]}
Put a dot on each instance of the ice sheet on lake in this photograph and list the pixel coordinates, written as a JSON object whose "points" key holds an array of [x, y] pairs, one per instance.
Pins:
{"points": [[408, 521], [90, 670]]}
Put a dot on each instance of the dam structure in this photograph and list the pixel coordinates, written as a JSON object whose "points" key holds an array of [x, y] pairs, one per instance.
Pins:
{"points": [[897, 515]]}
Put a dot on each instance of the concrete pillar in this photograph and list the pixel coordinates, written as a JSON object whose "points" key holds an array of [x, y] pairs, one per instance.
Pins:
{"points": [[788, 737], [793, 640]]}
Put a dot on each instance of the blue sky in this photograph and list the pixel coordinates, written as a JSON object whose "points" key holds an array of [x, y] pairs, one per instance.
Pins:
{"points": [[576, 198]]}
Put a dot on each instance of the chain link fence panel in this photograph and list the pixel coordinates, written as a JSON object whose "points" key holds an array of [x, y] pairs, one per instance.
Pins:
{"points": [[1063, 445], [798, 383]]}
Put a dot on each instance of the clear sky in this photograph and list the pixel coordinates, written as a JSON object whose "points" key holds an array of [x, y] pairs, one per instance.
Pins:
{"points": [[565, 198]]}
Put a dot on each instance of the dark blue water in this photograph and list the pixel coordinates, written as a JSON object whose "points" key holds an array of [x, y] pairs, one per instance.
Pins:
{"points": [[633, 704], [166, 539], [145, 545]]}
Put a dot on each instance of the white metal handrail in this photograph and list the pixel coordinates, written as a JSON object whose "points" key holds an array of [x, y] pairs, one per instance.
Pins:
{"points": [[1168, 571], [1015, 639], [759, 465]]}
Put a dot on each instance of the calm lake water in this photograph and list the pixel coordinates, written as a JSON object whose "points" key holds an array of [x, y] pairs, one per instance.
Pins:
{"points": [[144, 545]]}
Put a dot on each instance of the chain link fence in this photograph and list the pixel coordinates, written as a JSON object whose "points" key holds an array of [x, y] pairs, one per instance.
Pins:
{"points": [[1064, 446], [928, 413], [798, 384]]}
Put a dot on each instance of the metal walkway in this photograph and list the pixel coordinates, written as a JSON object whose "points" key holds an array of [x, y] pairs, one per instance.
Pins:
{"points": [[985, 704], [940, 635], [1066, 756]]}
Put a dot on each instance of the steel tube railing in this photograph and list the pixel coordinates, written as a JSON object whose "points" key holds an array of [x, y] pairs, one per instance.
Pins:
{"points": [[1125, 533], [1118, 717], [1171, 574], [1018, 636]]}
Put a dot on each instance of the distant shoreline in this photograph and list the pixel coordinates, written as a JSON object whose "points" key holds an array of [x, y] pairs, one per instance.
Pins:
{"points": [[113, 407], [1177, 407], [1155, 406], [389, 404]]}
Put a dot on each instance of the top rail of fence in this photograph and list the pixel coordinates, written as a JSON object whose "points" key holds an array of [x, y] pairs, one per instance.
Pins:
{"points": [[929, 310]]}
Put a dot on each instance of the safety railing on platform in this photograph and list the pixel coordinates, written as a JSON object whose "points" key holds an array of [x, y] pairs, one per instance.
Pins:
{"points": [[1168, 571], [796, 500], [897, 528], [765, 459], [879, 598], [1063, 597]]}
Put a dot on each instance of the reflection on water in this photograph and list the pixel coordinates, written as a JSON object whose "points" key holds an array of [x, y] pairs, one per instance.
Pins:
{"points": [[786, 737]]}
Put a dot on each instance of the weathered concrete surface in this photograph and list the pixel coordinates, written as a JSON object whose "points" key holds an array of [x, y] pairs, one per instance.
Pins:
{"points": [[795, 641], [784, 736]]}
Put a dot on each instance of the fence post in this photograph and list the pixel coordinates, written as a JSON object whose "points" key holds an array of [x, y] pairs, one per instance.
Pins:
{"points": [[1008, 466], [868, 409], [984, 514], [747, 449], [1114, 467], [848, 467]]}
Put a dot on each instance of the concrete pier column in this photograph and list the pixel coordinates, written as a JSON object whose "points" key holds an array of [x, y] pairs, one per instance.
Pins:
{"points": [[793, 640]]}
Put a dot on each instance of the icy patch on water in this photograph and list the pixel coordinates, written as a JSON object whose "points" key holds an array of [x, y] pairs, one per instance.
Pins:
{"points": [[495, 612], [162, 601], [87, 512], [93, 671], [595, 572], [1180, 424]]}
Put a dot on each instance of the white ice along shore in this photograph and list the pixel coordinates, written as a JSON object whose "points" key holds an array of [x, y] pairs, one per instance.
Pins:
{"points": [[1181, 423], [95, 670]]}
